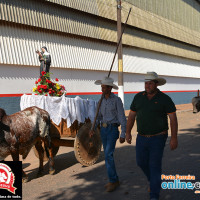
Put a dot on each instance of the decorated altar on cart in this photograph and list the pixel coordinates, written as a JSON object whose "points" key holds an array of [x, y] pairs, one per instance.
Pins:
{"points": [[70, 118], [66, 113]]}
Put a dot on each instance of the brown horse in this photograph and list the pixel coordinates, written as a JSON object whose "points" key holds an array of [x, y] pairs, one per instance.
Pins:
{"points": [[20, 131]]}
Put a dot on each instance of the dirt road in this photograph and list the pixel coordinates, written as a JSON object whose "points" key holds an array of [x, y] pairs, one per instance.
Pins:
{"points": [[74, 182]]}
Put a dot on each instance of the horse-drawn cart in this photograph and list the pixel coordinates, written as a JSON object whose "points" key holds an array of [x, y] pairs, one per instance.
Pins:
{"points": [[70, 124]]}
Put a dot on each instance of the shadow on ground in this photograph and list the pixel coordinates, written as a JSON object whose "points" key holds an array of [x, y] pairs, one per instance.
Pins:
{"points": [[62, 162], [183, 161]]}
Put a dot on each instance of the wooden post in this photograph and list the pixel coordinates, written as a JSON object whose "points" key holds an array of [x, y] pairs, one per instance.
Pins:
{"points": [[120, 58]]}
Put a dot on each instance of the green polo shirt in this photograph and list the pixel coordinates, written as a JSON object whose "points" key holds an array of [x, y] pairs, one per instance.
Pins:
{"points": [[151, 114]]}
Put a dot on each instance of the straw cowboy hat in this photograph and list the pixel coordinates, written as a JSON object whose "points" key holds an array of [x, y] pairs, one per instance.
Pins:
{"points": [[153, 76], [106, 81]]}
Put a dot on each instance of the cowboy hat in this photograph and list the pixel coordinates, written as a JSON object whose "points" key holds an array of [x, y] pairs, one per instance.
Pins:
{"points": [[153, 76], [106, 81]]}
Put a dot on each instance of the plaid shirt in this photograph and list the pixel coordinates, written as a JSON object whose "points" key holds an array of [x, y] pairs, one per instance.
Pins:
{"points": [[112, 111]]}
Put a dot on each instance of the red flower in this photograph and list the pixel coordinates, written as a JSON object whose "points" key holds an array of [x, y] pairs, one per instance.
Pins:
{"points": [[44, 86], [43, 73]]}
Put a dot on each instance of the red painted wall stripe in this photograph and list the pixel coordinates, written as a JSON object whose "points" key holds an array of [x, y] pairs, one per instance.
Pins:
{"points": [[93, 93], [11, 95], [180, 91]]}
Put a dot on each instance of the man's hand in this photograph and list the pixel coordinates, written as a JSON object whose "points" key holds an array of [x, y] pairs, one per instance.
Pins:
{"points": [[91, 133], [173, 143], [128, 138], [121, 140]]}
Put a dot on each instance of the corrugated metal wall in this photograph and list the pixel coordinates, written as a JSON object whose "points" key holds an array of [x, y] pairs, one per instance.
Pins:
{"points": [[49, 17], [21, 79], [161, 22], [183, 12], [18, 47], [63, 19], [137, 39]]}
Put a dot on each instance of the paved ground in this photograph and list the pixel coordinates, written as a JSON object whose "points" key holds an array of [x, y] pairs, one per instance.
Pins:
{"points": [[74, 182]]}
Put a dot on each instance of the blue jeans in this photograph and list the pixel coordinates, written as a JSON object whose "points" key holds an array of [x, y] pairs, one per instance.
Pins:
{"points": [[149, 153], [109, 136]]}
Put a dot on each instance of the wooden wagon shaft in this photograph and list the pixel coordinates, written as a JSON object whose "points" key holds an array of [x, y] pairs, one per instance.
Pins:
{"points": [[97, 112], [93, 125], [119, 42], [62, 142]]}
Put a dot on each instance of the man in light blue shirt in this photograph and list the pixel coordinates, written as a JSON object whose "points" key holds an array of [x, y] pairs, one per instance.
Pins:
{"points": [[111, 116]]}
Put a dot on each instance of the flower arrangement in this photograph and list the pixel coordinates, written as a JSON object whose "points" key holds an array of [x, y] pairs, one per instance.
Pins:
{"points": [[44, 86]]}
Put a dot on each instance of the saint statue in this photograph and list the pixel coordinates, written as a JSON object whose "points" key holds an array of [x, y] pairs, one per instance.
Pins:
{"points": [[45, 60]]}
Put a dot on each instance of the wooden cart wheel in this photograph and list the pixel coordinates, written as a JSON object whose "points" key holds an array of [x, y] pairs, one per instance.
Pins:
{"points": [[87, 150], [54, 133]]}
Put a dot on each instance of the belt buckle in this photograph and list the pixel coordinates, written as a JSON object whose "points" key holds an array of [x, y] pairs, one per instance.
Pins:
{"points": [[104, 125], [148, 136]]}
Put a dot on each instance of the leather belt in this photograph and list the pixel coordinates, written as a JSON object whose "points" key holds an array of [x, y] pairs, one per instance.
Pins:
{"points": [[107, 124], [161, 133]]}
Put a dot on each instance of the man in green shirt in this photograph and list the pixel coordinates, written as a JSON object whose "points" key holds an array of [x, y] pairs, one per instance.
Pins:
{"points": [[150, 109]]}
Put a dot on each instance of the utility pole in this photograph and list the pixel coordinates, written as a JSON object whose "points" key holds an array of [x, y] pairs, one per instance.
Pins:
{"points": [[120, 60]]}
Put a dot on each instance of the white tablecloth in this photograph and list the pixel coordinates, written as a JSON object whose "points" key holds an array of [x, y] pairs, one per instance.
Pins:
{"points": [[60, 108]]}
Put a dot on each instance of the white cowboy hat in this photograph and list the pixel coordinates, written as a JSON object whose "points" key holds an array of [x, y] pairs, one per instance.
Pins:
{"points": [[153, 76], [106, 81]]}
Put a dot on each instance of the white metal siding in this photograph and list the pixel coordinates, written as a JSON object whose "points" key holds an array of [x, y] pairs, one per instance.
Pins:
{"points": [[20, 79], [18, 47], [140, 61], [41, 14]]}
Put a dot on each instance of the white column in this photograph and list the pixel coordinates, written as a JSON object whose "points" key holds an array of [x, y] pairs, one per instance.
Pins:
{"points": [[121, 93]]}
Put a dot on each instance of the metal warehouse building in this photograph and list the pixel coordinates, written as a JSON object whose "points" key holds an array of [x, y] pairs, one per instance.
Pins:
{"points": [[81, 36]]}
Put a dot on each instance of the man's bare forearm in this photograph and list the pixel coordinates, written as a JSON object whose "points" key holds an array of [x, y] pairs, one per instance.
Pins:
{"points": [[173, 125], [130, 122]]}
